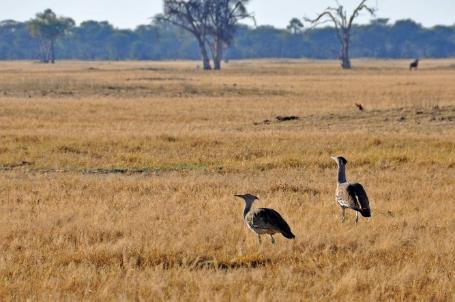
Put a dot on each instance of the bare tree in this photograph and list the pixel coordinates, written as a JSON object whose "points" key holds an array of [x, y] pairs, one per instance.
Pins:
{"points": [[212, 23], [192, 16], [343, 25], [48, 28], [224, 17]]}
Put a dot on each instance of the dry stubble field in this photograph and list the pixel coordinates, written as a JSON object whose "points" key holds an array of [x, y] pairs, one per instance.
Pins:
{"points": [[117, 181]]}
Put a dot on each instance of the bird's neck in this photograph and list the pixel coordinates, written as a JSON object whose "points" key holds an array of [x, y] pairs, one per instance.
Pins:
{"points": [[248, 205], [341, 173]]}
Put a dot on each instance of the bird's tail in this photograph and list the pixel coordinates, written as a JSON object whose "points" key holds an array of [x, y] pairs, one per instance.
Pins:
{"points": [[365, 212], [288, 235]]}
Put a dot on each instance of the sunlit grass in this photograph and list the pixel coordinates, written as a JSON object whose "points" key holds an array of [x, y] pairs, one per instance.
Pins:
{"points": [[117, 181]]}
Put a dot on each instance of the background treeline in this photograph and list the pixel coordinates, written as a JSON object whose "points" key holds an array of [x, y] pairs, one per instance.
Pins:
{"points": [[93, 40]]}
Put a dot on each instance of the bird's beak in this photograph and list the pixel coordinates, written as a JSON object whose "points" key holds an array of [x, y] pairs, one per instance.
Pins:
{"points": [[237, 195], [334, 158]]}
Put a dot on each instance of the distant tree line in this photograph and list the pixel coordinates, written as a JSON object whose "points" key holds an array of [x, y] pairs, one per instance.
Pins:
{"points": [[93, 40]]}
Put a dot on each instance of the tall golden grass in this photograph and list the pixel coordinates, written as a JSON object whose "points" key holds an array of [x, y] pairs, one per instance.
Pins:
{"points": [[117, 181]]}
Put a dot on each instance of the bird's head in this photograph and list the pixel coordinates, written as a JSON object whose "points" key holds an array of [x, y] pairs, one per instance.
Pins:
{"points": [[339, 160], [247, 197]]}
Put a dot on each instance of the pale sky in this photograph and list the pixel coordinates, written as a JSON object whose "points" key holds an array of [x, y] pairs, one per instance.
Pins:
{"points": [[130, 13]]}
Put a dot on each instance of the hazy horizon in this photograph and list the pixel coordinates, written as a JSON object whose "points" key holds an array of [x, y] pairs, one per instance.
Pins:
{"points": [[129, 14]]}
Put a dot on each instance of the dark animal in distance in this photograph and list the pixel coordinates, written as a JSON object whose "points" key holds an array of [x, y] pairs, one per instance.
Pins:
{"points": [[414, 65]]}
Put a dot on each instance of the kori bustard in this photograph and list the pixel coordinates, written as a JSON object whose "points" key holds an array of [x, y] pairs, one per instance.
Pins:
{"points": [[263, 220], [350, 195]]}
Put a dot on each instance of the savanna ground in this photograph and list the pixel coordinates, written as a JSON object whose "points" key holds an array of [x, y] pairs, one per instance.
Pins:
{"points": [[117, 181]]}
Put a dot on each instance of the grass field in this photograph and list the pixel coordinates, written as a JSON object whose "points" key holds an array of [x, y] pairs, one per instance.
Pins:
{"points": [[117, 181]]}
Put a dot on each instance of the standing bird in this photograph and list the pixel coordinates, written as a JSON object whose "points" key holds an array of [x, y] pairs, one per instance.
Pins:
{"points": [[359, 106], [350, 194], [264, 221]]}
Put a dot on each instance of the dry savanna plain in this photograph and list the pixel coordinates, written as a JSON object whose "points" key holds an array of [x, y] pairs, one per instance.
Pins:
{"points": [[117, 181]]}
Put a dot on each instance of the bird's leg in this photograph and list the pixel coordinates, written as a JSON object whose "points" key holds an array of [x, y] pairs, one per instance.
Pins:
{"points": [[356, 217], [259, 238], [273, 240], [342, 214]]}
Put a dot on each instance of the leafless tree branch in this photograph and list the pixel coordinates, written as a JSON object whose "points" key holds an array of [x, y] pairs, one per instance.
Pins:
{"points": [[339, 17]]}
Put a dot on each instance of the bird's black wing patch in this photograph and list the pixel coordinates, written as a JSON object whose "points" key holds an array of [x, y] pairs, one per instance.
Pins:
{"points": [[358, 194], [273, 218]]}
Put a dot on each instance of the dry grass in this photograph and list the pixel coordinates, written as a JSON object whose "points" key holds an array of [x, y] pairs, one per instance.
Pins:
{"points": [[117, 181]]}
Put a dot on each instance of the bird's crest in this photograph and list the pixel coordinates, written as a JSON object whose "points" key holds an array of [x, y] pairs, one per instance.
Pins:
{"points": [[246, 196], [340, 158]]}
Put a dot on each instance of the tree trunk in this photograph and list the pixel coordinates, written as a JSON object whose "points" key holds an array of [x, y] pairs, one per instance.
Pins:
{"points": [[52, 50], [44, 52], [345, 60], [205, 55], [218, 54]]}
